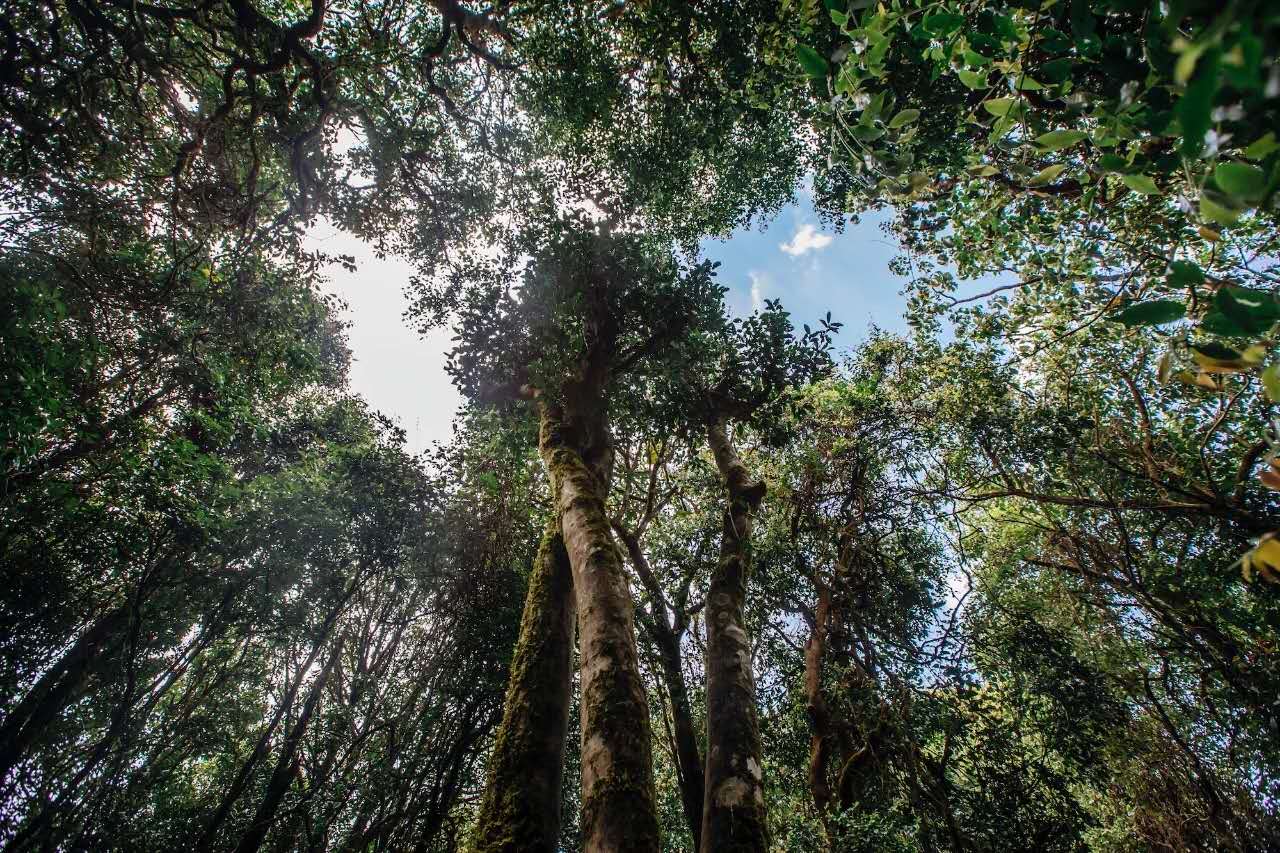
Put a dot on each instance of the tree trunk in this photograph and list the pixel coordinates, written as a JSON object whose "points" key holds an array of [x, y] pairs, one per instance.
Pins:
{"points": [[241, 780], [618, 801], [687, 754], [667, 639], [733, 814], [520, 810], [286, 769], [61, 685], [816, 705]]}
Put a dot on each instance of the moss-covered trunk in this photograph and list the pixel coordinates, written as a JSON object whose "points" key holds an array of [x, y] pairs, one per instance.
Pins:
{"points": [[520, 810], [733, 813], [618, 803]]}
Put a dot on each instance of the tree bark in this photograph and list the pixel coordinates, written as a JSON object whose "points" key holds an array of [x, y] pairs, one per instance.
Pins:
{"points": [[520, 810], [667, 639], [733, 814], [618, 802], [686, 738], [816, 705]]}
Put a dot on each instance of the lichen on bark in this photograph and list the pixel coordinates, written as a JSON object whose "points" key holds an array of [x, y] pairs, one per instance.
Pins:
{"points": [[733, 814], [618, 801]]}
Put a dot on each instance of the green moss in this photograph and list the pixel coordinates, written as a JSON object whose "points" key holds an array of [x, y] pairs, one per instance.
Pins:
{"points": [[618, 810], [520, 807]]}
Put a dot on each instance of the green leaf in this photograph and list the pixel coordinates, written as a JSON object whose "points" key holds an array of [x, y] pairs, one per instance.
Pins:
{"points": [[838, 18], [1252, 315], [942, 23], [867, 132], [1156, 312], [1055, 41], [1047, 174], [999, 106], [1141, 184], [846, 81], [904, 118], [1262, 147], [1241, 180], [1218, 210], [1194, 110], [1055, 71], [1215, 322], [1113, 163], [1055, 139], [812, 62], [873, 109], [1271, 381], [1184, 272], [973, 79], [876, 52], [974, 59]]}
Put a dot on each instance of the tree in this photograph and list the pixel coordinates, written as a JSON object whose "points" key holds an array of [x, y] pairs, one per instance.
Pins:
{"points": [[966, 589], [593, 311]]}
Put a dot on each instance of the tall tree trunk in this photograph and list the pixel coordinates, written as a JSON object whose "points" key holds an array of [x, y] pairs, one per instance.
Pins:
{"points": [[241, 780], [686, 738], [816, 704], [286, 769], [618, 802], [60, 686], [733, 813], [520, 810], [667, 639]]}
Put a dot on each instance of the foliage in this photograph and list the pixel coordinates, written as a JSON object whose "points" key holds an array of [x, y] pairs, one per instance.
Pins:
{"points": [[992, 600]]}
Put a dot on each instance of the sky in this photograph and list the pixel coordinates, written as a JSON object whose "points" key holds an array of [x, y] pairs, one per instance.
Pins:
{"points": [[814, 272], [401, 373]]}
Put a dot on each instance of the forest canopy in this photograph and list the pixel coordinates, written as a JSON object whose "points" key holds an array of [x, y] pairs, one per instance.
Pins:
{"points": [[681, 579]]}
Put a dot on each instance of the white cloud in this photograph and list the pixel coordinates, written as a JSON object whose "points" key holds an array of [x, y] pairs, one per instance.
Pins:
{"points": [[759, 281], [806, 239]]}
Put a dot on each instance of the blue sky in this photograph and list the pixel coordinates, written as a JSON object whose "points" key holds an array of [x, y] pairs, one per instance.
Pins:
{"points": [[814, 272], [402, 374]]}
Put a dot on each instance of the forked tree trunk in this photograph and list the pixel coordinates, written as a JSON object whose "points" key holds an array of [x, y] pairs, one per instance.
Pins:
{"points": [[733, 813], [618, 802], [520, 810]]}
